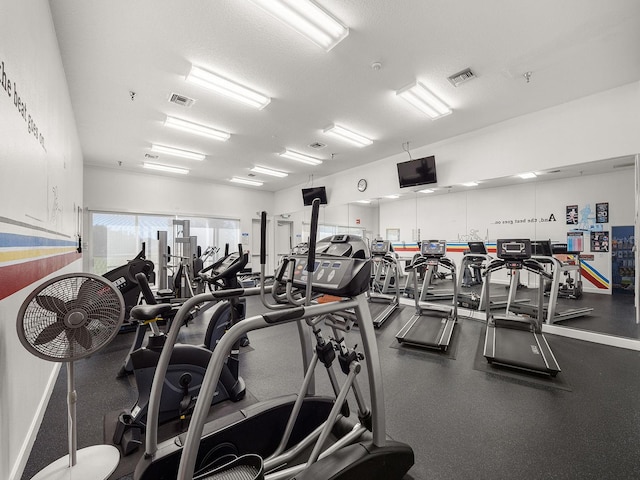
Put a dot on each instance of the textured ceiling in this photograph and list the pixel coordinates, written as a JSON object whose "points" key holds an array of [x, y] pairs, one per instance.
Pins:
{"points": [[573, 48]]}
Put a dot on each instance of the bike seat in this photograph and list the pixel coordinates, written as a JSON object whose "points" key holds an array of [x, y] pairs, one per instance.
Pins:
{"points": [[149, 312]]}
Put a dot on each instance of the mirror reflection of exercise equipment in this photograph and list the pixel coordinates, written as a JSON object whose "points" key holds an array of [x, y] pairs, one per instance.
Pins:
{"points": [[385, 282], [543, 253], [512, 340], [432, 325]]}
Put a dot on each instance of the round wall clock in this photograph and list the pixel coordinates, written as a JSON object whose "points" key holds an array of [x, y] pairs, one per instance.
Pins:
{"points": [[362, 185]]}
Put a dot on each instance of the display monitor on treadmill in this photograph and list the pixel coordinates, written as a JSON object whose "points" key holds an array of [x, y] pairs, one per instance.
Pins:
{"points": [[541, 248], [514, 249], [477, 248], [433, 248]]}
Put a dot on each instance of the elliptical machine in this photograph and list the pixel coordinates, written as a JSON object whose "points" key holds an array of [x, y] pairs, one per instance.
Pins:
{"points": [[188, 363], [124, 277], [301, 436]]}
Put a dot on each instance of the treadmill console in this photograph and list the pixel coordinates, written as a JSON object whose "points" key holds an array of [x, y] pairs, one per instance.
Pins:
{"points": [[381, 247], [477, 248], [541, 248], [343, 277], [342, 267], [433, 248], [514, 251]]}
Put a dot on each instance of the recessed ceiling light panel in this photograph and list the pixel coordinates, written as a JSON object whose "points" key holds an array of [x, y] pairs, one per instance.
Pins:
{"points": [[246, 181], [227, 88], [165, 168], [269, 171], [527, 175], [308, 19], [348, 135], [177, 152], [196, 128], [421, 98], [300, 157]]}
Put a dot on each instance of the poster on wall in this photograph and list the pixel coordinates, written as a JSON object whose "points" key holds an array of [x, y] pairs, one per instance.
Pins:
{"points": [[575, 242], [602, 212], [600, 241], [572, 214]]}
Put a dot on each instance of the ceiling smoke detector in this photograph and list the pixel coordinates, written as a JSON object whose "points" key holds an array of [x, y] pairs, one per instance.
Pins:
{"points": [[461, 77], [181, 100], [317, 145]]}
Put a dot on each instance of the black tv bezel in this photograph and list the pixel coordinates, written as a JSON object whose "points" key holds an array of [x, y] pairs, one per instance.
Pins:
{"points": [[422, 180], [322, 195]]}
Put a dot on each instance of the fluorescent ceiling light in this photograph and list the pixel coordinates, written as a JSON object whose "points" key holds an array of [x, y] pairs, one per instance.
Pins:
{"points": [[227, 87], [246, 181], [426, 190], [299, 157], [471, 184], [527, 175], [421, 98], [177, 152], [196, 128], [392, 196], [363, 201], [344, 134], [165, 168], [308, 19], [268, 171]]}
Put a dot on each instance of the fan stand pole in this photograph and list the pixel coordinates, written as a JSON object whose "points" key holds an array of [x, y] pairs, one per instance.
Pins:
{"points": [[97, 462], [72, 399]]}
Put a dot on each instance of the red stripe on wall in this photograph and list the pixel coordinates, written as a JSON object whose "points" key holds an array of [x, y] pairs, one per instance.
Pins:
{"points": [[593, 279], [20, 275]]}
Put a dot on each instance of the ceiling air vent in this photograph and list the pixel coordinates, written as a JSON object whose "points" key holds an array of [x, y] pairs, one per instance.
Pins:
{"points": [[461, 77], [317, 145], [181, 100]]}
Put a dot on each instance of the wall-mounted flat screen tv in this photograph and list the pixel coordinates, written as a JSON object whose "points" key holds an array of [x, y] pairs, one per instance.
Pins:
{"points": [[308, 194], [420, 171]]}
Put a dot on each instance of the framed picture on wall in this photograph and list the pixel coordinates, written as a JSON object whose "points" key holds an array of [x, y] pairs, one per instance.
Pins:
{"points": [[572, 214], [602, 212], [393, 234], [600, 241]]}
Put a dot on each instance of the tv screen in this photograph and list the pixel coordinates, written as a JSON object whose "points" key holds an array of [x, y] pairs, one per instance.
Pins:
{"points": [[420, 171], [308, 194]]}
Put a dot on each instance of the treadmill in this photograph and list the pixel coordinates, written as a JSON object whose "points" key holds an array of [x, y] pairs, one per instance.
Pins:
{"points": [[384, 284], [543, 253], [511, 340], [478, 258], [431, 326]]}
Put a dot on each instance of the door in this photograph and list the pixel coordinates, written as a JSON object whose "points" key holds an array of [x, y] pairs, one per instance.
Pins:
{"points": [[623, 264], [284, 239]]}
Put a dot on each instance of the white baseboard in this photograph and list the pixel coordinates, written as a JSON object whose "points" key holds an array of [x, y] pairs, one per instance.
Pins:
{"points": [[32, 433], [594, 337]]}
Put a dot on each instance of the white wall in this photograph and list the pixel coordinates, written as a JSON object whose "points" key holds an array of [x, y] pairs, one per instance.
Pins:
{"points": [[124, 191], [604, 125], [516, 211], [40, 189]]}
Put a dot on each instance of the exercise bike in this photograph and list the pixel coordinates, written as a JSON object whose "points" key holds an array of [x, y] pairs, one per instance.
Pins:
{"points": [[188, 362]]}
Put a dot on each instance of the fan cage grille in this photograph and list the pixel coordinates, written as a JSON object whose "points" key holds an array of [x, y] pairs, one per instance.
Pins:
{"points": [[70, 317]]}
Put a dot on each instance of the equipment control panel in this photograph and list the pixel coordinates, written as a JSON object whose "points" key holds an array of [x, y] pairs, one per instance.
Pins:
{"points": [[342, 276], [381, 247], [433, 248], [514, 251]]}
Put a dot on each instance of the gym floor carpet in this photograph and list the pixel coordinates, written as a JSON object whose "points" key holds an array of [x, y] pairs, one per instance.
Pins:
{"points": [[463, 418]]}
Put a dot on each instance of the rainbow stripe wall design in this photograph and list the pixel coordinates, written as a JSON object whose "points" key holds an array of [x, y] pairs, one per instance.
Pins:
{"points": [[26, 257]]}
